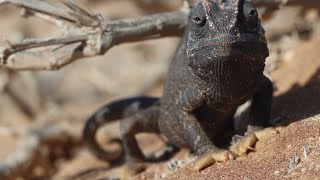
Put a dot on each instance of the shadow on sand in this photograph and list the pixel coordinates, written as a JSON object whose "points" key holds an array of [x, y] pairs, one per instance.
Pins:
{"points": [[298, 103]]}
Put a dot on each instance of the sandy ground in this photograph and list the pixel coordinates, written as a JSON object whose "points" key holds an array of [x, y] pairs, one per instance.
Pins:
{"points": [[292, 154], [296, 110]]}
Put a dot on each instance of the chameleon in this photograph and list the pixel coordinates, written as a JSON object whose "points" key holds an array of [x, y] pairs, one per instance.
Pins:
{"points": [[218, 66]]}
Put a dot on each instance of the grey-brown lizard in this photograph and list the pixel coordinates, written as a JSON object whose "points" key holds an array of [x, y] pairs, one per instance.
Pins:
{"points": [[217, 67]]}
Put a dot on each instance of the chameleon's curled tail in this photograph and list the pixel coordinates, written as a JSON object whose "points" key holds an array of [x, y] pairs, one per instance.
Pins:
{"points": [[109, 113]]}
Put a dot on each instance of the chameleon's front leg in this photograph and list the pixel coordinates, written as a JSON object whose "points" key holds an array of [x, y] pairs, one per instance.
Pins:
{"points": [[261, 104], [194, 133], [260, 112]]}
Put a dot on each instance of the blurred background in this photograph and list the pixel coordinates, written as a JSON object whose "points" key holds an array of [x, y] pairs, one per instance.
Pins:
{"points": [[31, 100]]}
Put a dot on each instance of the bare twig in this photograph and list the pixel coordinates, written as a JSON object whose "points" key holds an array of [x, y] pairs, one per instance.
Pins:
{"points": [[34, 43], [85, 42], [46, 8]]}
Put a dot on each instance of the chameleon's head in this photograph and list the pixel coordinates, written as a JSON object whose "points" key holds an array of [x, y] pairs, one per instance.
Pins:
{"points": [[226, 43]]}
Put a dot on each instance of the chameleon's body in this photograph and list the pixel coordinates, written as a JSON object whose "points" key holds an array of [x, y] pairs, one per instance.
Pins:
{"points": [[217, 67]]}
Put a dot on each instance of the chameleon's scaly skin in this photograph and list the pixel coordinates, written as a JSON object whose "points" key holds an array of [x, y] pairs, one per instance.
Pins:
{"points": [[218, 66]]}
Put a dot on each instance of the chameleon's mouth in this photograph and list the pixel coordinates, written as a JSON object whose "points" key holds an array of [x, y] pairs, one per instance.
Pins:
{"points": [[244, 46], [232, 42]]}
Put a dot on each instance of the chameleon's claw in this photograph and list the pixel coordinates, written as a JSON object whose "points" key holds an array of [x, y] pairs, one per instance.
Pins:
{"points": [[203, 162], [243, 145], [132, 168], [265, 133], [211, 157], [251, 148]]}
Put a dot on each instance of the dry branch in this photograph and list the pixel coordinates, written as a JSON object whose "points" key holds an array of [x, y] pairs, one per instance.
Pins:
{"points": [[75, 14], [91, 35]]}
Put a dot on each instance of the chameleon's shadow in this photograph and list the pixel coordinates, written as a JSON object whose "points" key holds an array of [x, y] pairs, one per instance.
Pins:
{"points": [[298, 103]]}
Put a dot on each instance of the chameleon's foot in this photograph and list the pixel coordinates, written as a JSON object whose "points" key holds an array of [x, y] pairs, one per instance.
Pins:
{"points": [[243, 145], [211, 157], [265, 133], [132, 168]]}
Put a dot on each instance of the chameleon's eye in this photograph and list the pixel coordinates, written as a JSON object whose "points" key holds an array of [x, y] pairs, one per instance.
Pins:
{"points": [[197, 21], [200, 21], [250, 13]]}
